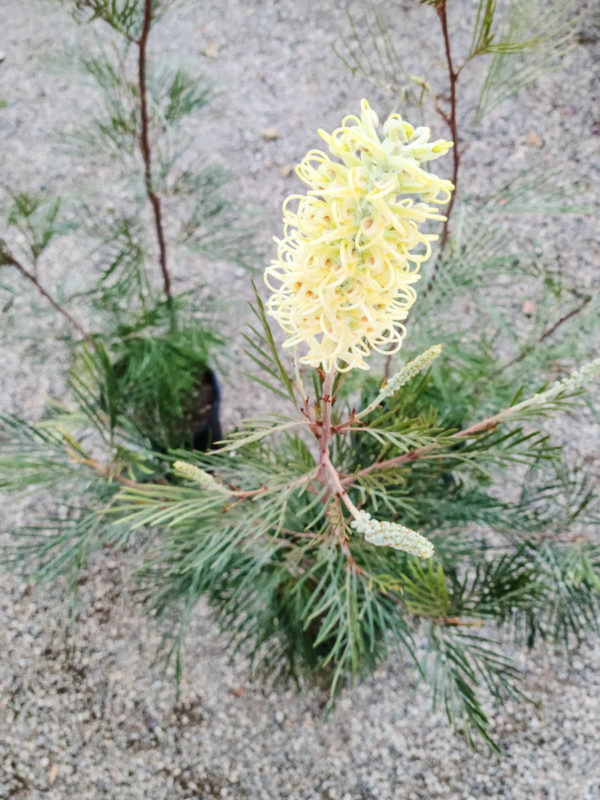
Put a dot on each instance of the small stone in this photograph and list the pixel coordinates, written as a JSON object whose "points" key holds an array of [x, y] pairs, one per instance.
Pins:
{"points": [[528, 307], [211, 50], [52, 774], [534, 139], [285, 170], [270, 135]]}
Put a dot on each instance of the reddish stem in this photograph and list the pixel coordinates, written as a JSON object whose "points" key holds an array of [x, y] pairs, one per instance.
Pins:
{"points": [[451, 122], [146, 150], [106, 472], [479, 427], [327, 474], [324, 430], [450, 119]]}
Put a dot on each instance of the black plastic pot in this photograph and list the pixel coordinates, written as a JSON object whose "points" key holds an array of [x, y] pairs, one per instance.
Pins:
{"points": [[208, 430], [198, 429]]}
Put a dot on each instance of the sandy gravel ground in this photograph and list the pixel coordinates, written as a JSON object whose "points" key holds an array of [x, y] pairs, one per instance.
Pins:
{"points": [[93, 720]]}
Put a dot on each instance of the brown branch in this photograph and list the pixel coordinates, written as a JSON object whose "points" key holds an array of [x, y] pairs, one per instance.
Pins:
{"points": [[324, 429], [326, 474], [106, 473], [6, 257], [244, 495], [450, 119], [298, 534], [146, 150], [413, 455], [351, 562], [473, 623], [548, 332], [145, 146], [451, 122]]}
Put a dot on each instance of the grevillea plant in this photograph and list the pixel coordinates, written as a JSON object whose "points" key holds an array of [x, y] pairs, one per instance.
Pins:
{"points": [[401, 496], [372, 515]]}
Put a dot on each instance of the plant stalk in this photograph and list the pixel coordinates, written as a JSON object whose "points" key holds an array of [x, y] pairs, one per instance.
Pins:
{"points": [[451, 121], [487, 424], [324, 431], [146, 151], [327, 473]]}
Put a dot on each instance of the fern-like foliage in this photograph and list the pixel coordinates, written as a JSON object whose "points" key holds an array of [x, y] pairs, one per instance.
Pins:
{"points": [[370, 53], [302, 595], [533, 38]]}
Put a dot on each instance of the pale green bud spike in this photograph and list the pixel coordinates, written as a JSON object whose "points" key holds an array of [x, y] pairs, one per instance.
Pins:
{"points": [[411, 369], [576, 380], [392, 534], [407, 372], [199, 476]]}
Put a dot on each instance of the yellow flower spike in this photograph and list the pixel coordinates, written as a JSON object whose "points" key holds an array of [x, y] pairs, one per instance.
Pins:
{"points": [[352, 247]]}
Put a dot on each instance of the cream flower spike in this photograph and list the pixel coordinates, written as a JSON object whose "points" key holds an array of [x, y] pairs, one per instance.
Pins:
{"points": [[351, 250]]}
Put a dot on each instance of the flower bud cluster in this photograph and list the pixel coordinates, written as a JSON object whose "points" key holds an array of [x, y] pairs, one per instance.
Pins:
{"points": [[392, 534], [578, 379], [411, 369], [204, 479]]}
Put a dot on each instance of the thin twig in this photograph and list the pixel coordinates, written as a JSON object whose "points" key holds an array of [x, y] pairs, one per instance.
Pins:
{"points": [[482, 382], [338, 485], [466, 623], [451, 121], [105, 472], [548, 332], [8, 258], [413, 455], [146, 150]]}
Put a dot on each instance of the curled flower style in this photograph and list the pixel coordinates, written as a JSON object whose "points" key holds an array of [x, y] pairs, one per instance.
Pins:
{"points": [[392, 534], [352, 248]]}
